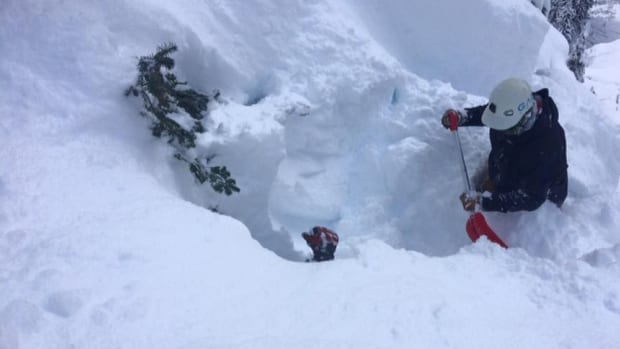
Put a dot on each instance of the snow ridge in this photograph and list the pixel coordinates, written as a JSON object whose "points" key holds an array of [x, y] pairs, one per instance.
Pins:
{"points": [[331, 116]]}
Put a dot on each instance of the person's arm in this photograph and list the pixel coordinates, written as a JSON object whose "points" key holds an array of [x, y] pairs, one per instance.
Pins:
{"points": [[515, 200], [472, 116], [526, 195]]}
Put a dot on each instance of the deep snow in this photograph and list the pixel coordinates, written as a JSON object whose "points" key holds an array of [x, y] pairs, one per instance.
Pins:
{"points": [[331, 117]]}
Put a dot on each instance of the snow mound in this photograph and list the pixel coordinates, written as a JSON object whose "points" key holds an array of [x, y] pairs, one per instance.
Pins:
{"points": [[331, 116]]}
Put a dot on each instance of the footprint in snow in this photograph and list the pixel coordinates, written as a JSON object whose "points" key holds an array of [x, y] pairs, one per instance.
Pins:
{"points": [[64, 303]]}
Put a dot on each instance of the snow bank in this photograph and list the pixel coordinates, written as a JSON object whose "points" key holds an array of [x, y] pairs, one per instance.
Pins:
{"points": [[471, 45], [602, 81], [104, 242]]}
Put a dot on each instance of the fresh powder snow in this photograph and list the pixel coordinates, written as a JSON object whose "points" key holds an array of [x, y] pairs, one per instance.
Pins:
{"points": [[329, 116]]}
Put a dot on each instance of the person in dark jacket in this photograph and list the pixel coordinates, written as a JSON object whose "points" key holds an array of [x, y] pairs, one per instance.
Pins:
{"points": [[527, 163]]}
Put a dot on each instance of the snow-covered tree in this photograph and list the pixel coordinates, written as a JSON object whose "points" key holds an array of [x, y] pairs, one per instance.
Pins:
{"points": [[570, 17]]}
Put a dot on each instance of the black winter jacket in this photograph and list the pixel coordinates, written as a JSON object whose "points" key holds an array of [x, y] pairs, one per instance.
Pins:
{"points": [[529, 168]]}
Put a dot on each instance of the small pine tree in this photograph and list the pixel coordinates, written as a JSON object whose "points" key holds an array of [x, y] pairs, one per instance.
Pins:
{"points": [[169, 107]]}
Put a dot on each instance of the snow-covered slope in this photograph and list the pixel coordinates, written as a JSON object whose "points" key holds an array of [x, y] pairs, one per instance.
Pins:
{"points": [[605, 82], [331, 117], [602, 76]]}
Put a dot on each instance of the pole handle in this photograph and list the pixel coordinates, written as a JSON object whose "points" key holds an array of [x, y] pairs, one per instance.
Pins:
{"points": [[453, 117]]}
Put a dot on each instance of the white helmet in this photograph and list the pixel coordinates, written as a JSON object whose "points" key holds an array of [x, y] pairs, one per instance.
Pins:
{"points": [[510, 100]]}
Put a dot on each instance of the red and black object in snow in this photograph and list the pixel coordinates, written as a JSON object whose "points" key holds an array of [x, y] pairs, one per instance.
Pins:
{"points": [[323, 243], [476, 225]]}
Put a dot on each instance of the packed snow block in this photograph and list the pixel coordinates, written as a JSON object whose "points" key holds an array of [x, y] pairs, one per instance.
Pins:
{"points": [[471, 54]]}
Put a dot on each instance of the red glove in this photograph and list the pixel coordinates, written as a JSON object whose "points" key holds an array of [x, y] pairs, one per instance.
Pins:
{"points": [[445, 119], [314, 241]]}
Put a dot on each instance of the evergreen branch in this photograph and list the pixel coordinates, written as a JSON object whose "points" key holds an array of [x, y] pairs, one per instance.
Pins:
{"points": [[161, 96]]}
